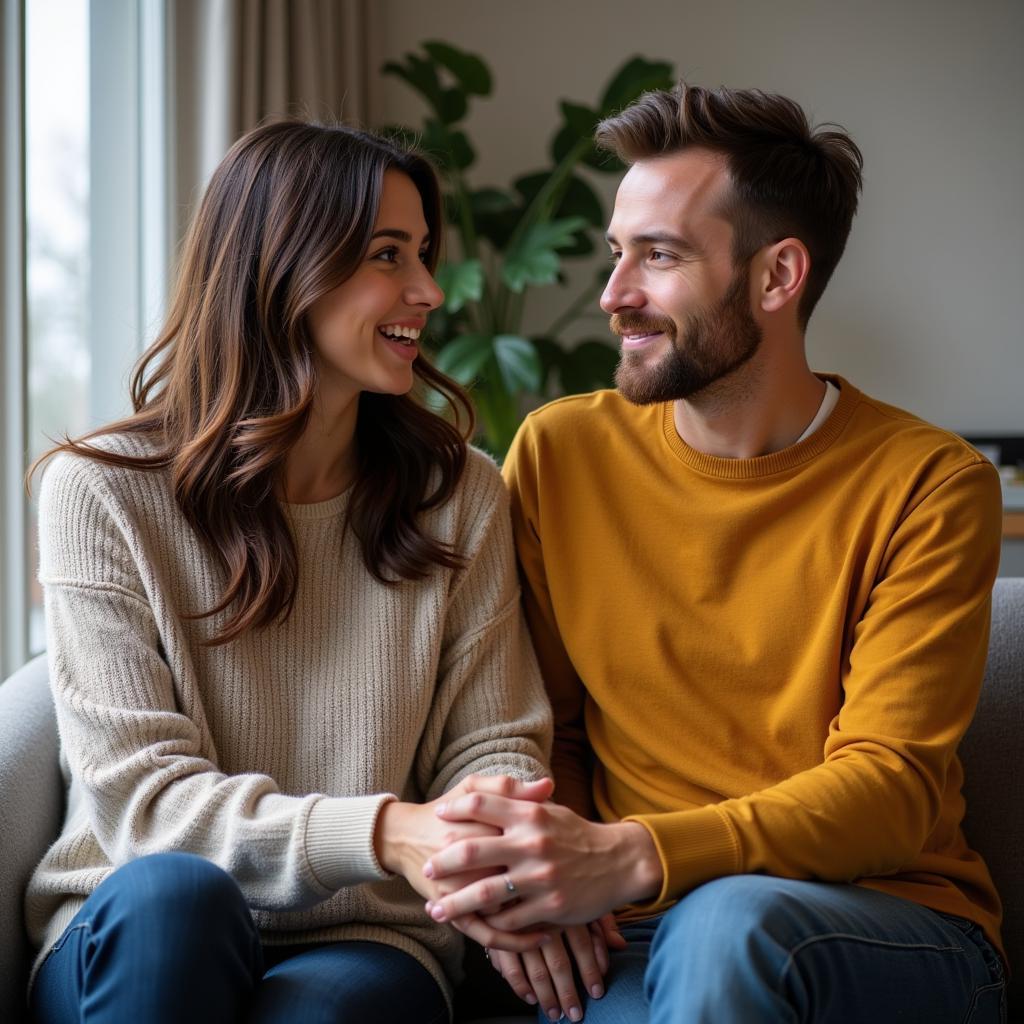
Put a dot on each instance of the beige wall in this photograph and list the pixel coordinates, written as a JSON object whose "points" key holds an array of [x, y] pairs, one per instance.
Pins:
{"points": [[926, 309]]}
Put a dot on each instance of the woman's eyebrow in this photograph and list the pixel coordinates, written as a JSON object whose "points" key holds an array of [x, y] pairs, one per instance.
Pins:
{"points": [[399, 235]]}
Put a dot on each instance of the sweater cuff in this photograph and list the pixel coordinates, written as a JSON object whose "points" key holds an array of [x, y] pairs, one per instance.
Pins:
{"points": [[339, 840], [693, 847]]}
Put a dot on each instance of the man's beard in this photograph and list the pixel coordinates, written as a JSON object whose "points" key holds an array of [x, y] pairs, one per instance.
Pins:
{"points": [[715, 344]]}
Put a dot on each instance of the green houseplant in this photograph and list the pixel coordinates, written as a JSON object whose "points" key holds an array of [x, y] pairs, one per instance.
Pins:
{"points": [[512, 239]]}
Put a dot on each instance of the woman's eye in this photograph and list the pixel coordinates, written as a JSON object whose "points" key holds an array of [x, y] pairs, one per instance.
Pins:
{"points": [[425, 256], [389, 255]]}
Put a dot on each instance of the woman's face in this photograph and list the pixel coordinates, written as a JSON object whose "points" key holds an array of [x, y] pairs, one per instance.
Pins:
{"points": [[365, 332]]}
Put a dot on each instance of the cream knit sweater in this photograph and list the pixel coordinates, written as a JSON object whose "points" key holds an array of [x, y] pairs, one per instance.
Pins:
{"points": [[272, 755]]}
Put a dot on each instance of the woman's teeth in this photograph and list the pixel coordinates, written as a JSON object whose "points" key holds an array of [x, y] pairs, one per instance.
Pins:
{"points": [[404, 335]]}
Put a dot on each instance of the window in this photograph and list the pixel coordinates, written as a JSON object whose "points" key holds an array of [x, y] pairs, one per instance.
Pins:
{"points": [[57, 234], [84, 226]]}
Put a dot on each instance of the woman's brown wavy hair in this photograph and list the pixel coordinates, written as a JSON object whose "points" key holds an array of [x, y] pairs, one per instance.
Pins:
{"points": [[227, 388]]}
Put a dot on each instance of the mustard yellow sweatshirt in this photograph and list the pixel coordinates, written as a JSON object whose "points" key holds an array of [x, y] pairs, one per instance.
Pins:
{"points": [[768, 662]]}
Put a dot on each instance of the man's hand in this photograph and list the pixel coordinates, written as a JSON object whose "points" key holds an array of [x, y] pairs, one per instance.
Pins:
{"points": [[559, 868], [545, 976], [408, 834]]}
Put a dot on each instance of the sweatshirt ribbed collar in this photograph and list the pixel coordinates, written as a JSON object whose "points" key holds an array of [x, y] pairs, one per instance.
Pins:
{"points": [[312, 511], [776, 462]]}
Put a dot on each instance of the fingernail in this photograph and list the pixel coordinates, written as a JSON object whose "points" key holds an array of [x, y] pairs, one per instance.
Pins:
{"points": [[575, 1013], [441, 808], [437, 912], [554, 1015], [544, 940], [428, 869], [596, 991], [531, 999]]}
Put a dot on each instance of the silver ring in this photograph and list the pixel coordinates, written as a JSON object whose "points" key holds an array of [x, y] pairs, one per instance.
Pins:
{"points": [[487, 953], [510, 886]]}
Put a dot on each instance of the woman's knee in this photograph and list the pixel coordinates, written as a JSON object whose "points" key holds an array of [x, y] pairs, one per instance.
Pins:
{"points": [[176, 887]]}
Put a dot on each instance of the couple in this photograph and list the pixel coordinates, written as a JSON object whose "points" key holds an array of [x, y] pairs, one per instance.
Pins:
{"points": [[306, 723]]}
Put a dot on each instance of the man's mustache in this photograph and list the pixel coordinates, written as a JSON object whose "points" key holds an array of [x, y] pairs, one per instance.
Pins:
{"points": [[636, 323]]}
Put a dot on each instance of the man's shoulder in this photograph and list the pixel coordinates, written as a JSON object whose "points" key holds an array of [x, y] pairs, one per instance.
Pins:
{"points": [[908, 437], [577, 419]]}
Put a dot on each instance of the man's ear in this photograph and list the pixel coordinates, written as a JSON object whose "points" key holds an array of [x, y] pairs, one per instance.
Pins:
{"points": [[784, 267]]}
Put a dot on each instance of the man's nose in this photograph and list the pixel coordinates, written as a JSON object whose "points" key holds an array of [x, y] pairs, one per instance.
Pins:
{"points": [[621, 292]]}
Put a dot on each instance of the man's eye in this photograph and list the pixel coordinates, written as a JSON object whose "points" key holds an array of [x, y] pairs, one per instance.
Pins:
{"points": [[615, 256], [660, 257]]}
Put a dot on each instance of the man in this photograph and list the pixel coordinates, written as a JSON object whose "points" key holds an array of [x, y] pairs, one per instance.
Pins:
{"points": [[760, 601]]}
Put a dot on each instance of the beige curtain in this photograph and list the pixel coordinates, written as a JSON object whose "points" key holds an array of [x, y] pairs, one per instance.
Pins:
{"points": [[235, 62]]}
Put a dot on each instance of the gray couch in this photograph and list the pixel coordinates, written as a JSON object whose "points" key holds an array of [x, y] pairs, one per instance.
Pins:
{"points": [[30, 792]]}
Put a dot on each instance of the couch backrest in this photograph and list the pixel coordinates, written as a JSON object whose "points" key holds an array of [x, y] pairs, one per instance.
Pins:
{"points": [[993, 756]]}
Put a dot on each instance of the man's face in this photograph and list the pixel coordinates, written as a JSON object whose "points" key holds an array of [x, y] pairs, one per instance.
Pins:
{"points": [[676, 300]]}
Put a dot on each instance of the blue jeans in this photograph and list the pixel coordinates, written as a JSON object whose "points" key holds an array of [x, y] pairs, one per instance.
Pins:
{"points": [[751, 949], [170, 938]]}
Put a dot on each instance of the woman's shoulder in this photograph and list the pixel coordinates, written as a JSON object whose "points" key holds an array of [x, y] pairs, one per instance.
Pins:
{"points": [[481, 487], [74, 476]]}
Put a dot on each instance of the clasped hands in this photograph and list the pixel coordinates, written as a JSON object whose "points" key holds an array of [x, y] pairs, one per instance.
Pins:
{"points": [[531, 881]]}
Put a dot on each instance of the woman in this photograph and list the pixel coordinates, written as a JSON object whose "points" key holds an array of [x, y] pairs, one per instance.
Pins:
{"points": [[282, 620]]}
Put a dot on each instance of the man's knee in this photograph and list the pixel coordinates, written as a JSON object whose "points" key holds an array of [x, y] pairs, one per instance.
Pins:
{"points": [[741, 919]]}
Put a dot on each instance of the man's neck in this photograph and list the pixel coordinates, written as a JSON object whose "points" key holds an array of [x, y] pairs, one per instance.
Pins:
{"points": [[758, 413]]}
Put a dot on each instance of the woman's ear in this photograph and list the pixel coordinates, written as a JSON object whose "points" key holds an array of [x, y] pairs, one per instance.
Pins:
{"points": [[784, 269]]}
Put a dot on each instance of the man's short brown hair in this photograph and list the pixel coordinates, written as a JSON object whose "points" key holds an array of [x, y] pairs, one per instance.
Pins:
{"points": [[788, 179]]}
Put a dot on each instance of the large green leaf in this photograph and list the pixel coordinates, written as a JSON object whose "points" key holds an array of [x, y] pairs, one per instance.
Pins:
{"points": [[636, 76], [579, 118], [588, 366], [535, 260], [451, 149], [486, 201], [578, 200], [461, 283], [495, 215], [518, 363], [469, 70], [465, 357], [452, 106], [421, 75]]}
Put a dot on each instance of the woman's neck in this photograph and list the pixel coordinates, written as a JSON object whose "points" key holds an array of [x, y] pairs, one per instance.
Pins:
{"points": [[323, 462]]}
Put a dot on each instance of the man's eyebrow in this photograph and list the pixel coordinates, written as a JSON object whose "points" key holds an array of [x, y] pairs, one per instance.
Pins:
{"points": [[658, 238], [399, 235]]}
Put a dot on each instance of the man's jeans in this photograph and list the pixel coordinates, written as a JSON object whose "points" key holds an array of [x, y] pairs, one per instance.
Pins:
{"points": [[170, 938], [752, 949]]}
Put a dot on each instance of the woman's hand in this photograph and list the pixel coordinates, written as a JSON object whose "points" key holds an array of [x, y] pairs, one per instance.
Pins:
{"points": [[408, 835], [545, 976], [560, 868]]}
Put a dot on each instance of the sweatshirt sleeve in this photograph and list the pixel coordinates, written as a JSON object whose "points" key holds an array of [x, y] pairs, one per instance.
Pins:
{"points": [[490, 715], [136, 748], [911, 681], [571, 756]]}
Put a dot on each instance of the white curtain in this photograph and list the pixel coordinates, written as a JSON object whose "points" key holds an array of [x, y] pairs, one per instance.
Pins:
{"points": [[235, 62]]}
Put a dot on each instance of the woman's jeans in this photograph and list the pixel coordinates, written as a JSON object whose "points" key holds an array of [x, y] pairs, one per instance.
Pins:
{"points": [[752, 949], [170, 938]]}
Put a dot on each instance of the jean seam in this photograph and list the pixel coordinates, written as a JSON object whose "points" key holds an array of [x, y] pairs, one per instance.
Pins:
{"points": [[980, 990], [814, 939], [59, 944]]}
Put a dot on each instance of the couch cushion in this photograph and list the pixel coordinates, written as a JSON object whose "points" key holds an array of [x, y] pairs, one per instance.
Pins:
{"points": [[31, 803]]}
